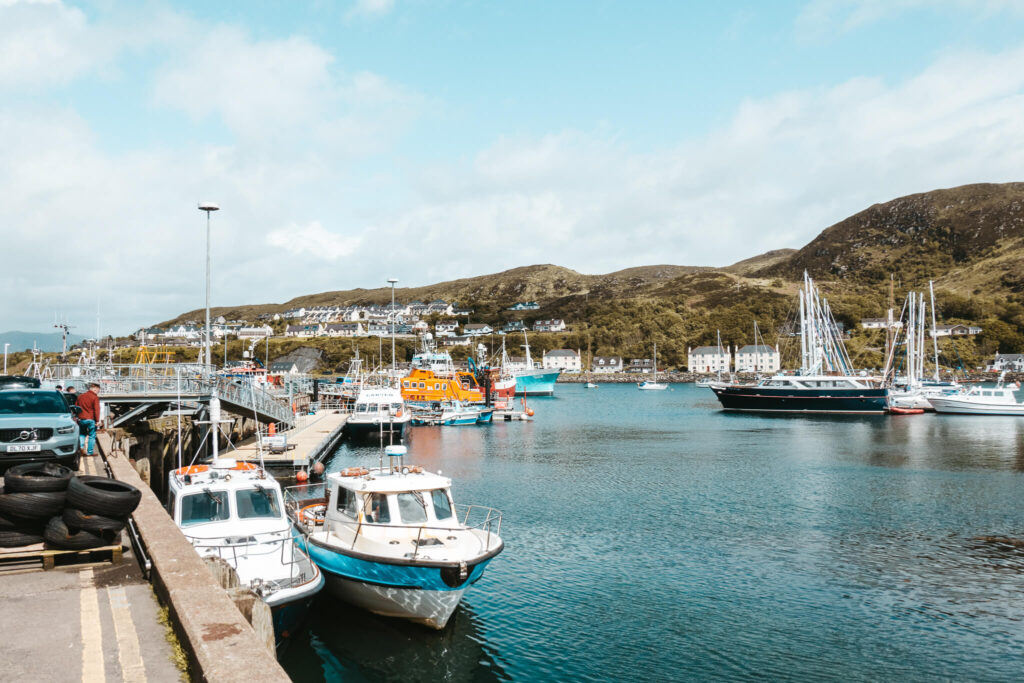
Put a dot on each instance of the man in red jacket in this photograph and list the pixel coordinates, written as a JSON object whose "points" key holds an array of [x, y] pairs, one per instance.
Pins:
{"points": [[89, 402]]}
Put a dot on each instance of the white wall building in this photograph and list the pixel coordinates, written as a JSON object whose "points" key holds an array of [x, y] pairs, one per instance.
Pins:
{"points": [[1011, 362], [565, 360], [255, 332], [760, 358], [708, 359], [604, 365]]}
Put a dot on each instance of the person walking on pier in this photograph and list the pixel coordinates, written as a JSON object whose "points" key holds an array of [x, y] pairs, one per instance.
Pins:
{"points": [[89, 402]]}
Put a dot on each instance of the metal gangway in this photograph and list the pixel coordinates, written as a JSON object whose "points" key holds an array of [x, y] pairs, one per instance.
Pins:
{"points": [[134, 390]]}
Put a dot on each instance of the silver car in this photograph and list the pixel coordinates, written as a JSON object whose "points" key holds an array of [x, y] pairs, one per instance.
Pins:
{"points": [[36, 425]]}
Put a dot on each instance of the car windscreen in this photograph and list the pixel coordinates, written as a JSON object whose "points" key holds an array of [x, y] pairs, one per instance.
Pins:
{"points": [[31, 403]]}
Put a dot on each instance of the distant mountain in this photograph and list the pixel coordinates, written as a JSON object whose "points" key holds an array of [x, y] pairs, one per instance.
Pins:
{"points": [[45, 341]]}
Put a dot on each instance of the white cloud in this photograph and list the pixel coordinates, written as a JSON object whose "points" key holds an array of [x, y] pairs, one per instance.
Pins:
{"points": [[371, 7], [313, 240], [824, 17]]}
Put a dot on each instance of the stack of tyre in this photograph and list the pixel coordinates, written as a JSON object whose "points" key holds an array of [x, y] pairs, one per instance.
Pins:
{"points": [[48, 502]]}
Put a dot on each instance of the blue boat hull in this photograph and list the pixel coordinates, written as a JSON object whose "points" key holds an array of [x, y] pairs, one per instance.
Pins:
{"points": [[537, 383], [426, 593], [790, 400]]}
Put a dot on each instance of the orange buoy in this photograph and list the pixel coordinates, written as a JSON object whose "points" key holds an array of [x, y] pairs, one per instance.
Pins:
{"points": [[191, 469], [301, 476], [529, 412], [272, 429], [245, 466]]}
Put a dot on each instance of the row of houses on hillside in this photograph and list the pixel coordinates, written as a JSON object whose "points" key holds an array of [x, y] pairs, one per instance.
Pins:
{"points": [[956, 330], [749, 358]]}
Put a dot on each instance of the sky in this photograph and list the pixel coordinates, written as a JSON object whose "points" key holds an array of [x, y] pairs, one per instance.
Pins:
{"points": [[353, 141]]}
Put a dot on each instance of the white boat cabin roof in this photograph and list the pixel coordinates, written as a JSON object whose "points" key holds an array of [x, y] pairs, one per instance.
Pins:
{"points": [[383, 481], [817, 381], [379, 395]]}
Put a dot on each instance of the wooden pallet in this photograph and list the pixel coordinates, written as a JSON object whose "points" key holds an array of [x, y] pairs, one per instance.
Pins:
{"points": [[38, 556]]}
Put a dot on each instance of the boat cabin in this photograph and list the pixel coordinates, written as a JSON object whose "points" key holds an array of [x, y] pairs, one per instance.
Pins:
{"points": [[238, 494], [815, 382], [378, 402]]}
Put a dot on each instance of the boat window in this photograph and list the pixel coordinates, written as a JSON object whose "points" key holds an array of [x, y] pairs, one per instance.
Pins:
{"points": [[347, 502], [396, 407], [378, 511], [423, 385], [208, 506], [258, 502], [442, 506], [412, 508], [437, 387]]}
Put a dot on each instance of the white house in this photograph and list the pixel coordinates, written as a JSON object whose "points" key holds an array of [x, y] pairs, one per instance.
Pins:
{"points": [[476, 329], [314, 330], [549, 326], [956, 330], [255, 332], [1010, 362], [606, 364], [446, 328], [565, 360], [708, 359], [880, 323], [345, 330], [760, 358]]}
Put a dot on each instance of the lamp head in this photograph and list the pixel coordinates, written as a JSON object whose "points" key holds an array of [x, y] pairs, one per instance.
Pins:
{"points": [[208, 207], [392, 280]]}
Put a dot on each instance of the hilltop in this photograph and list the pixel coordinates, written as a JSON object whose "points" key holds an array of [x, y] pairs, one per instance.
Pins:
{"points": [[969, 239]]}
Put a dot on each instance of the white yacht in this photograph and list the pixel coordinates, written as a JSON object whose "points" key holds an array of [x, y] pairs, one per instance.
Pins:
{"points": [[234, 510], [391, 540], [998, 400]]}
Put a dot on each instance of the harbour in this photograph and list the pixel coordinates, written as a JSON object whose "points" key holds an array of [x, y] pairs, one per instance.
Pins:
{"points": [[658, 531]]}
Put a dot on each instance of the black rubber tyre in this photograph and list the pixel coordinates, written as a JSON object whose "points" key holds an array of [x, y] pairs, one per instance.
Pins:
{"points": [[58, 535], [40, 505], [15, 539], [99, 496], [76, 519], [37, 476]]}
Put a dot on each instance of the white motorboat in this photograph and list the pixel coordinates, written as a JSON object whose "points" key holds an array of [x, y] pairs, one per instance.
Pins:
{"points": [[390, 539], [998, 400], [234, 510], [378, 410]]}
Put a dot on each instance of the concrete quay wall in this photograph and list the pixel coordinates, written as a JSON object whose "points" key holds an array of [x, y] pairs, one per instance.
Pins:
{"points": [[220, 643]]}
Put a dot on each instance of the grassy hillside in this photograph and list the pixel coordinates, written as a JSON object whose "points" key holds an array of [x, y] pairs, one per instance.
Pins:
{"points": [[970, 240]]}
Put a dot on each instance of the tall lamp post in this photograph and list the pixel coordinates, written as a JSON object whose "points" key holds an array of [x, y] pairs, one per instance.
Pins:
{"points": [[208, 207], [392, 281]]}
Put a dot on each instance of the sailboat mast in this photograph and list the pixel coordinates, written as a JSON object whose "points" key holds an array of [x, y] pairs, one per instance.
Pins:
{"points": [[935, 337]]}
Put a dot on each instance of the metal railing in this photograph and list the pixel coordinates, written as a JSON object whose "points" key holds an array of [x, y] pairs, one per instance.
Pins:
{"points": [[300, 567], [317, 494]]}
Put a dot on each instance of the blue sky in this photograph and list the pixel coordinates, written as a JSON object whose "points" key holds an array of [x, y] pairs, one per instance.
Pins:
{"points": [[434, 139]]}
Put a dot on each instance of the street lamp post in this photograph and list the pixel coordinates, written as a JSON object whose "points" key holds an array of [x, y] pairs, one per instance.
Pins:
{"points": [[392, 281], [208, 207]]}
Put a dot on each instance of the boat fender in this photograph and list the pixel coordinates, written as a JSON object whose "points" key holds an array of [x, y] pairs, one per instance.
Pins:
{"points": [[529, 412], [191, 469]]}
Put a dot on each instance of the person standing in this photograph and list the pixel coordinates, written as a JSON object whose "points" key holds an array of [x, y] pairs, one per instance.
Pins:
{"points": [[89, 418]]}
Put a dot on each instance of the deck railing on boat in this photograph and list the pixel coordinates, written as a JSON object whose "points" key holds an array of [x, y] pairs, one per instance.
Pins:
{"points": [[300, 567], [299, 497]]}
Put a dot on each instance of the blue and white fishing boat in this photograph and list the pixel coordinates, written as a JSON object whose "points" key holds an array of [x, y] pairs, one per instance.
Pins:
{"points": [[531, 380], [391, 540], [452, 414]]}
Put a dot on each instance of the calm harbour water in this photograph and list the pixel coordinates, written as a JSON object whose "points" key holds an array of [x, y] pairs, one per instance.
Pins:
{"points": [[651, 536]]}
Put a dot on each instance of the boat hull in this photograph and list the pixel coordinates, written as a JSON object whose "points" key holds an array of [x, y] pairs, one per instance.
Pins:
{"points": [[537, 382], [788, 400], [422, 593], [960, 407], [289, 617], [371, 430]]}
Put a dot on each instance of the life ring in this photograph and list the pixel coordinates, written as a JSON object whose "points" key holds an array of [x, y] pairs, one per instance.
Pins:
{"points": [[399, 413], [191, 469], [354, 471], [415, 469], [245, 466], [314, 514]]}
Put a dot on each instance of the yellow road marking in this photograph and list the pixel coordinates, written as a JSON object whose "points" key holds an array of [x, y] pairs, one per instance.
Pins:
{"points": [[132, 668], [92, 630]]}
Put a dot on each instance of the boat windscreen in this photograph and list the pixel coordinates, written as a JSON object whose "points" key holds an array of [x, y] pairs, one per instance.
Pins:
{"points": [[208, 506], [412, 508], [442, 506], [257, 502]]}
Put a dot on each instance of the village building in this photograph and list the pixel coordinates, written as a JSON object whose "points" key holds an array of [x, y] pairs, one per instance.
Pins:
{"points": [[708, 359], [345, 330], [565, 360], [446, 328], [554, 325], [513, 326], [640, 366], [477, 329], [1007, 362], [880, 323], [314, 330], [255, 332], [759, 358], [956, 330], [524, 306], [606, 364]]}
